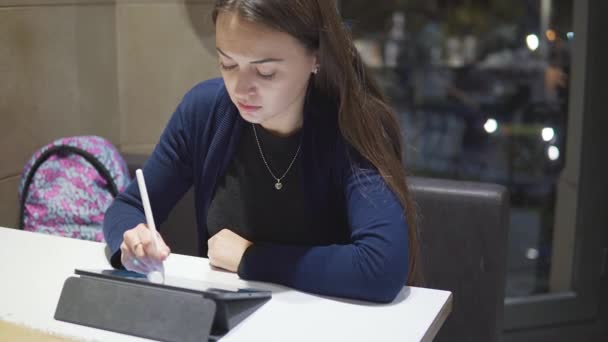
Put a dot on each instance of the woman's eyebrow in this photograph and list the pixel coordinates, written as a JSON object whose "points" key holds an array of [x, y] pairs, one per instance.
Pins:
{"points": [[261, 61]]}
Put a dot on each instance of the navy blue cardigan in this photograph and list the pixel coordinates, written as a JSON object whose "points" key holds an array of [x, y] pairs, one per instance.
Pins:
{"points": [[343, 194]]}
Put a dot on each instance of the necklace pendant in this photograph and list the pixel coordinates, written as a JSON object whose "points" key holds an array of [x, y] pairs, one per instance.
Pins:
{"points": [[278, 185]]}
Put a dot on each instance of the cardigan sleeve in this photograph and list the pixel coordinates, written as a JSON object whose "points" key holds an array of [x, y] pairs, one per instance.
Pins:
{"points": [[168, 171], [372, 267]]}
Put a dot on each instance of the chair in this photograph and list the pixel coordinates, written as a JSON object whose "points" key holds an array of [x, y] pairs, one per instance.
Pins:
{"points": [[463, 230]]}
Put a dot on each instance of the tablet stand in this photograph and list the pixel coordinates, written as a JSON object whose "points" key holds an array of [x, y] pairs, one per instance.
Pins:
{"points": [[229, 313], [140, 310]]}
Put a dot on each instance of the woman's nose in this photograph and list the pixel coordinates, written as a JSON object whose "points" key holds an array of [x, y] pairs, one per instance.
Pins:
{"points": [[244, 87]]}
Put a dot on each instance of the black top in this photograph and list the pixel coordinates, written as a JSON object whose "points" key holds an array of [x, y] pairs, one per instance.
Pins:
{"points": [[246, 200]]}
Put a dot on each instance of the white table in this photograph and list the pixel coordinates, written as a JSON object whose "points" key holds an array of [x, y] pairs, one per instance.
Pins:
{"points": [[33, 267]]}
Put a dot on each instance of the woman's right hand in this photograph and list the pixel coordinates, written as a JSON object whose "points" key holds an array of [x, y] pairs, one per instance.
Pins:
{"points": [[139, 254]]}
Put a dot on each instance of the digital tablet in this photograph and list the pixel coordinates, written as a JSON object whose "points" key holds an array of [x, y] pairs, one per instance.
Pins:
{"points": [[207, 289]]}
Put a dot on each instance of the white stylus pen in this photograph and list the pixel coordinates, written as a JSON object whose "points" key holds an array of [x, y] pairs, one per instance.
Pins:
{"points": [[156, 276]]}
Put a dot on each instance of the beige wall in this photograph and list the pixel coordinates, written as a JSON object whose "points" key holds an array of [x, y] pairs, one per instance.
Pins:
{"points": [[110, 68], [58, 72], [160, 57]]}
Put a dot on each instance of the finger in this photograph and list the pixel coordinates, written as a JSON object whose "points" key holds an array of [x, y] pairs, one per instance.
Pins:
{"points": [[147, 242], [144, 234], [213, 257], [142, 262], [129, 261], [216, 268], [165, 248], [145, 263], [123, 253], [136, 266], [153, 252], [213, 240], [149, 264], [133, 242], [150, 249], [126, 254], [212, 261]]}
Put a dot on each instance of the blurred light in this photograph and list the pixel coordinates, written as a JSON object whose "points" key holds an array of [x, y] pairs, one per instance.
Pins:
{"points": [[551, 35], [570, 35], [532, 253], [490, 126], [532, 41], [553, 152], [548, 134]]}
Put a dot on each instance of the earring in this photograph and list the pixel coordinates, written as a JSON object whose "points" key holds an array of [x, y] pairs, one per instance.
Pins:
{"points": [[316, 70]]}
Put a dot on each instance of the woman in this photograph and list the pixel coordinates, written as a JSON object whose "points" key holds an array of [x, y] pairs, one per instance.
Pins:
{"points": [[294, 156]]}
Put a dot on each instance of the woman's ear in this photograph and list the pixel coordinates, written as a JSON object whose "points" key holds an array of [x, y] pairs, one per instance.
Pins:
{"points": [[316, 65]]}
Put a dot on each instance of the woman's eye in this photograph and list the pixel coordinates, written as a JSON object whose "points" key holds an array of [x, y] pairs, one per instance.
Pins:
{"points": [[266, 76], [228, 67], [262, 75]]}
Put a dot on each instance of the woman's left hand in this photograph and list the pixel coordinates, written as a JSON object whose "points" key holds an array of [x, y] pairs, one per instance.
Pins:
{"points": [[226, 249]]}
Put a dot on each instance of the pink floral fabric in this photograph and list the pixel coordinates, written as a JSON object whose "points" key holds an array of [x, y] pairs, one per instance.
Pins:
{"points": [[67, 195]]}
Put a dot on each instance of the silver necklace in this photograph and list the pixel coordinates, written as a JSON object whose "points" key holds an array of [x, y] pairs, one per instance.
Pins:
{"points": [[278, 185]]}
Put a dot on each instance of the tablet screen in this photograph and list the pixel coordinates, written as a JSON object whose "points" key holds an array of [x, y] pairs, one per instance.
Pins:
{"points": [[209, 289]]}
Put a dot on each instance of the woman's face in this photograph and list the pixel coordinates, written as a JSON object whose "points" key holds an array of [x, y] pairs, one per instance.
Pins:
{"points": [[266, 72]]}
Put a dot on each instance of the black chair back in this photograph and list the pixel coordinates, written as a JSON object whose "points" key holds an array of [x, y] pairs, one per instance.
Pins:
{"points": [[463, 230]]}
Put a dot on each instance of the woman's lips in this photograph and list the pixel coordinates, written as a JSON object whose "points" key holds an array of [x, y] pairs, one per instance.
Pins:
{"points": [[248, 108]]}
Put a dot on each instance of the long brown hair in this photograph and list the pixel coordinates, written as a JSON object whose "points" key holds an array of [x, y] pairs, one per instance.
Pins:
{"points": [[366, 120]]}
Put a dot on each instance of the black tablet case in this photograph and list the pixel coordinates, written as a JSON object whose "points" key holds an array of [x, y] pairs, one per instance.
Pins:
{"points": [[148, 311]]}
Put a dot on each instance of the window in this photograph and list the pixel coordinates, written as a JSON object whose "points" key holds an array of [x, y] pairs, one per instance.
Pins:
{"points": [[487, 90]]}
